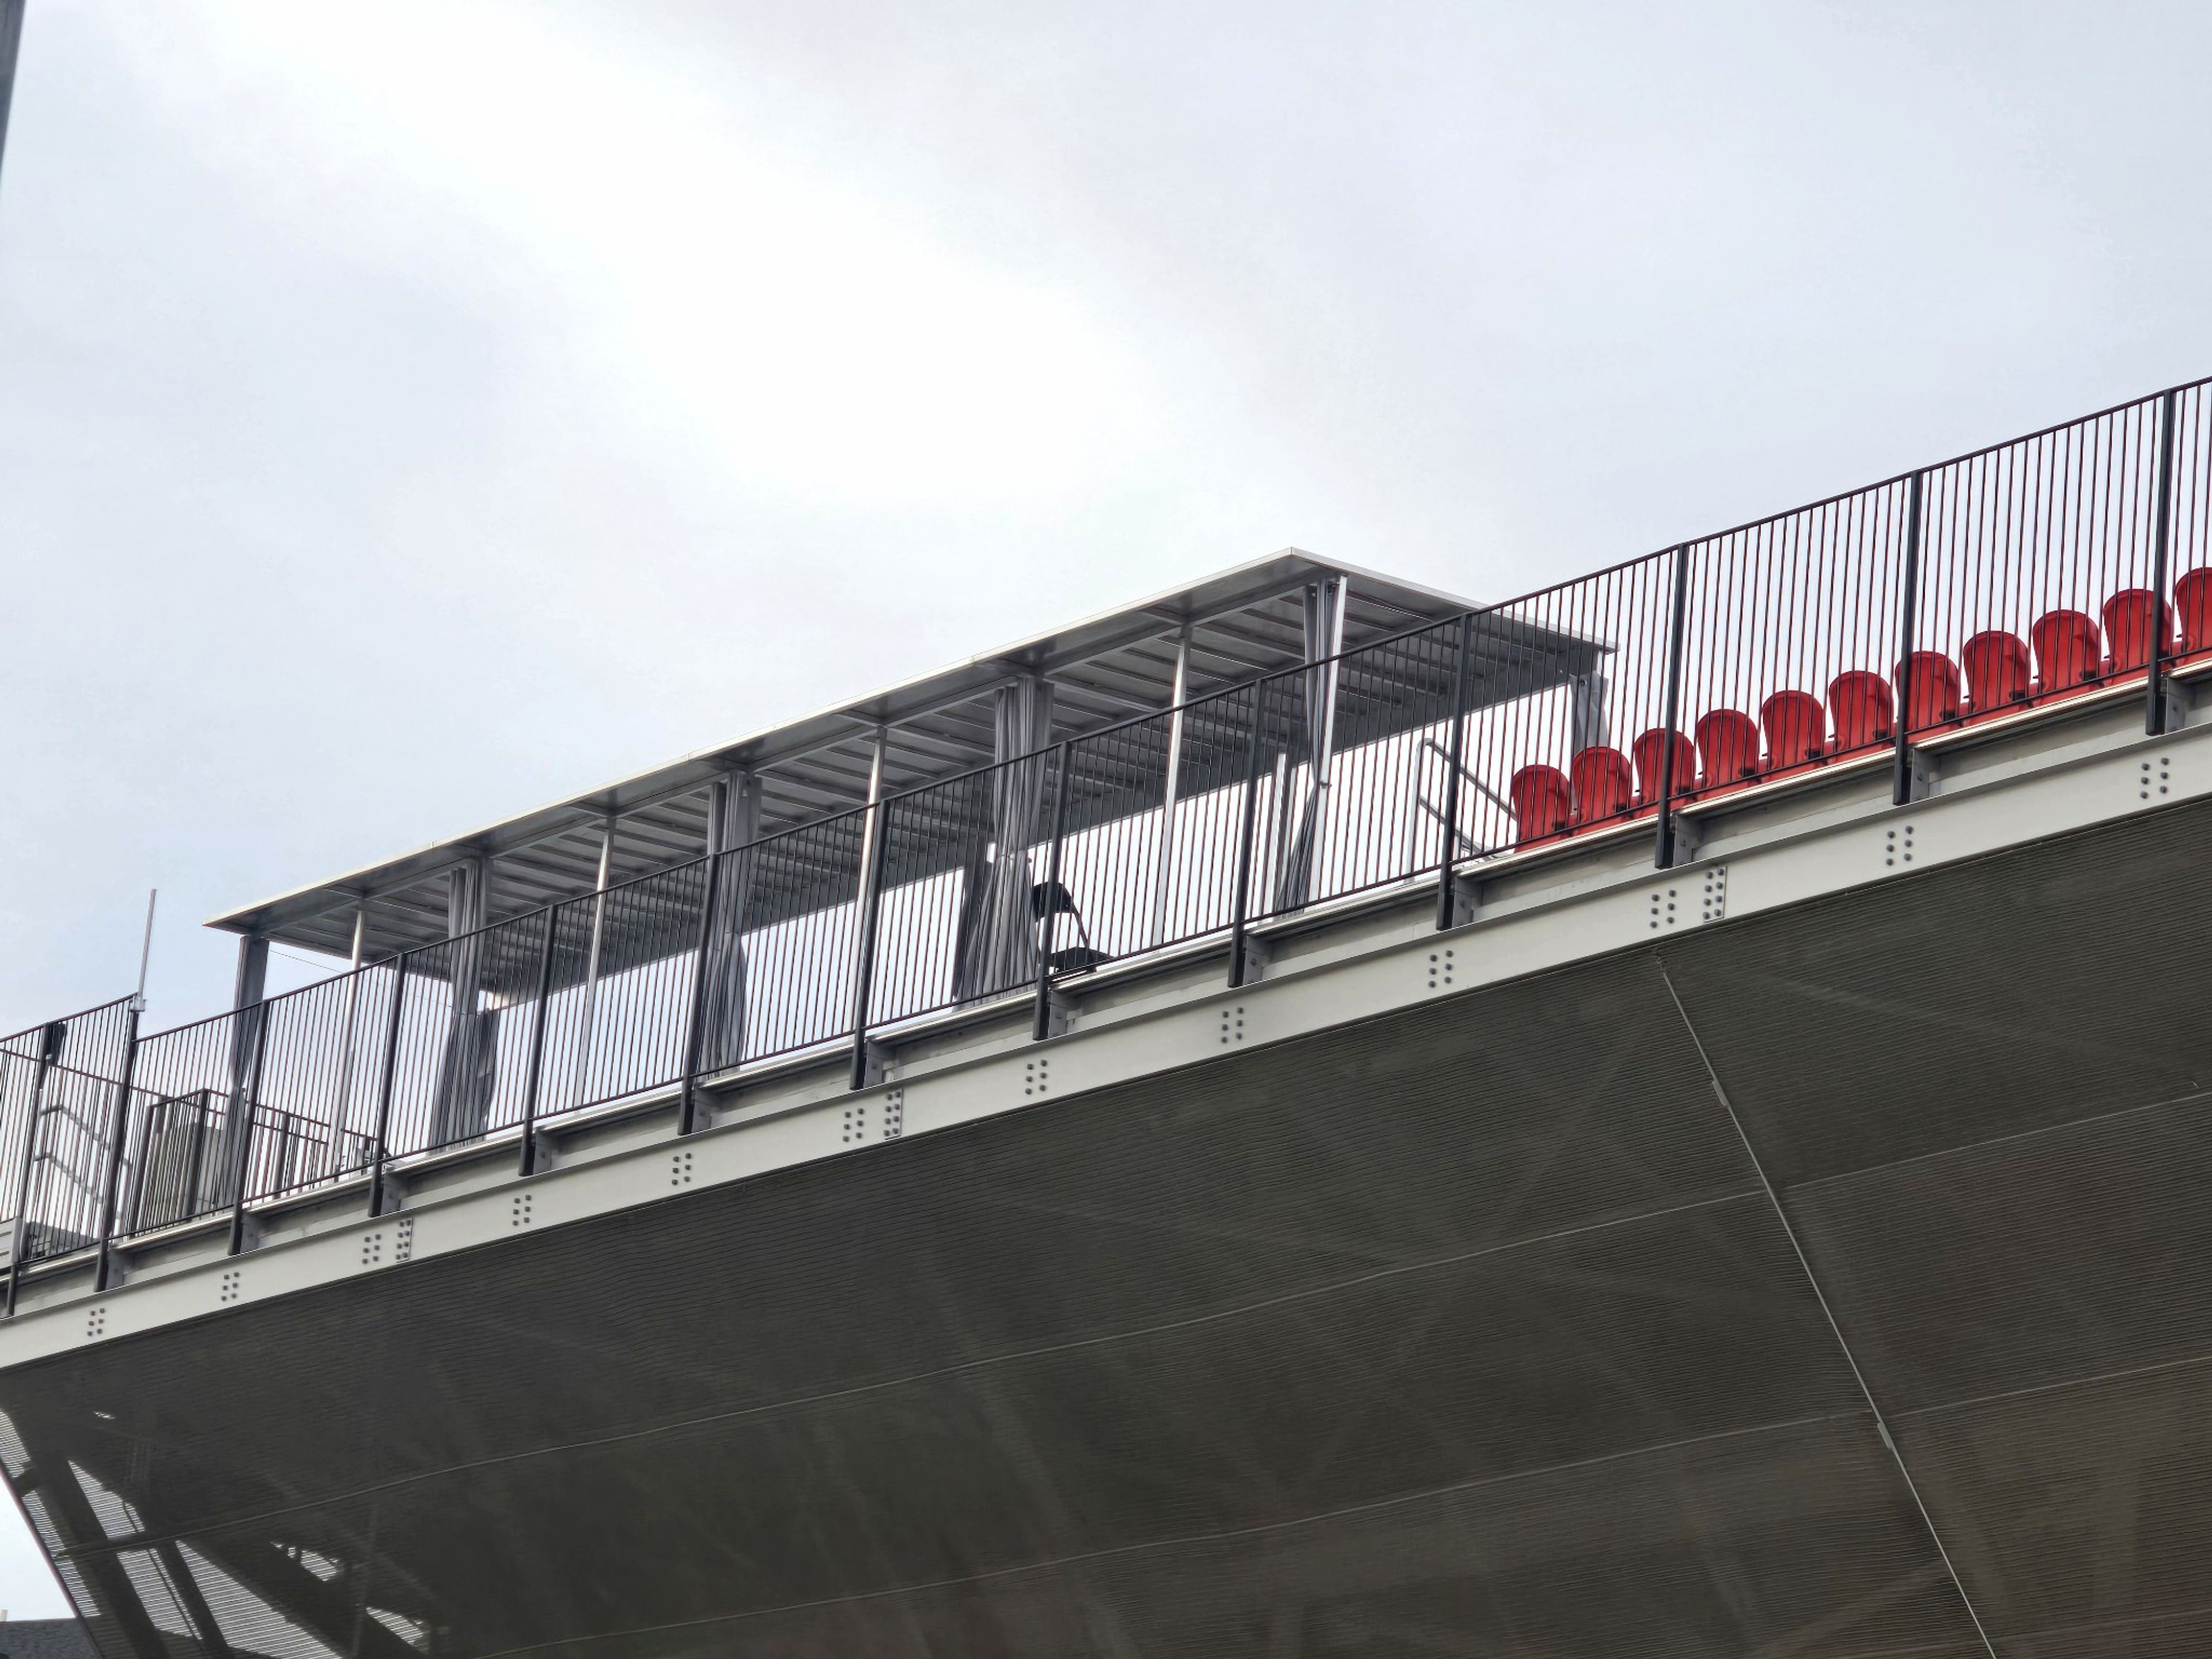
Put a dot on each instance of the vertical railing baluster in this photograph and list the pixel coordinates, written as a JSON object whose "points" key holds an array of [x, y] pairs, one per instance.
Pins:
{"points": [[687, 1111], [1041, 1026], [1677, 614], [1908, 611], [385, 1087], [528, 1164], [2155, 689], [111, 1178], [1239, 904], [1455, 763]]}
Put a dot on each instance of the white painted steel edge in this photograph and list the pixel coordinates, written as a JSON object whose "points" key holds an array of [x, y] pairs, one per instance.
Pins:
{"points": [[2098, 779]]}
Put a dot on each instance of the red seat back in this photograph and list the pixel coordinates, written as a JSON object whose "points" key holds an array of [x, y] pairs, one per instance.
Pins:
{"points": [[1996, 670], [1601, 784], [1540, 799], [1934, 690], [1728, 743], [2067, 651], [1651, 751], [2192, 596], [1796, 728], [1863, 710], [2129, 629]]}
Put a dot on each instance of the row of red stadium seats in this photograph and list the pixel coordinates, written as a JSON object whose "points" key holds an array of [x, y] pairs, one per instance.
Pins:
{"points": [[2071, 652]]}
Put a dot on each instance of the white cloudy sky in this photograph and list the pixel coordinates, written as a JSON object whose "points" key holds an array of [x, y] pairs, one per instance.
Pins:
{"points": [[411, 412]]}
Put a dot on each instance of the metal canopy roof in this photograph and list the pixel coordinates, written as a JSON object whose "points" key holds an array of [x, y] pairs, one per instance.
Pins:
{"points": [[1244, 622]]}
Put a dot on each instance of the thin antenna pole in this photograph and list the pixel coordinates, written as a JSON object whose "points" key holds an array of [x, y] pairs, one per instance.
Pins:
{"points": [[146, 946]]}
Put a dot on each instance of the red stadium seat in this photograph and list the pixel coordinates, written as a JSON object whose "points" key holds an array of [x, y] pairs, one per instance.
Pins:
{"points": [[1796, 728], [1935, 693], [2192, 596], [1651, 751], [1863, 709], [2129, 629], [1601, 784], [1996, 670], [1540, 801], [2067, 651], [1728, 743]]}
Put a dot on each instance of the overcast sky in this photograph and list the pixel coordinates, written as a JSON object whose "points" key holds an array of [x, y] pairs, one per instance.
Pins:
{"points": [[412, 412]]}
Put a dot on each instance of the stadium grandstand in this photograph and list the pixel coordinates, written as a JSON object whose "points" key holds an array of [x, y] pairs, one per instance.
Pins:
{"points": [[1306, 1115]]}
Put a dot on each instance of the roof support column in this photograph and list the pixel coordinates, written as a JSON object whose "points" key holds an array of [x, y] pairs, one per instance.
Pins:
{"points": [[224, 1166], [468, 1070], [733, 806], [997, 949], [1324, 643]]}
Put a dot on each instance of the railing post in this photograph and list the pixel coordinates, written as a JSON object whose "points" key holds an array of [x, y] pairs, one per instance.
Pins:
{"points": [[385, 1086], [1163, 858], [1242, 903], [864, 965], [241, 1163], [687, 1109], [1900, 784], [2155, 689], [112, 1179], [50, 1039], [1040, 1027], [529, 1158], [1455, 761], [1677, 615]]}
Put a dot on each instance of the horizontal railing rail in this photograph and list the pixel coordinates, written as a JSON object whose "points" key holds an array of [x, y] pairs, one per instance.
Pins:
{"points": [[2011, 578]]}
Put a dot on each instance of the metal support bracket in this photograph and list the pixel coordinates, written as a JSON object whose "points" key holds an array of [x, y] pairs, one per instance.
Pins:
{"points": [[874, 1059], [1056, 1007], [1466, 900], [1688, 836], [1920, 775], [2175, 701]]}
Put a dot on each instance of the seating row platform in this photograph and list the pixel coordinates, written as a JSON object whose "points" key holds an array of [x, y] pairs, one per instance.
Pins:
{"points": [[1794, 729]]}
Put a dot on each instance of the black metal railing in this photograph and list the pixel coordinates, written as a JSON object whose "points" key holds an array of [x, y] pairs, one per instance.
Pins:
{"points": [[2056, 565]]}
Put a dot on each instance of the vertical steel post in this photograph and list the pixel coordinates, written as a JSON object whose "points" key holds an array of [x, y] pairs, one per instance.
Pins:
{"points": [[385, 1086], [1455, 762], [241, 1163], [687, 1109], [1900, 784], [591, 964], [872, 829], [2155, 689], [1164, 860], [51, 1041], [118, 1132], [528, 1164], [1242, 903], [1041, 1026], [1663, 853], [864, 965]]}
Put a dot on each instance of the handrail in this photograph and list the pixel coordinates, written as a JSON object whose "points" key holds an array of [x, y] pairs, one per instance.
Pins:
{"points": [[2014, 576]]}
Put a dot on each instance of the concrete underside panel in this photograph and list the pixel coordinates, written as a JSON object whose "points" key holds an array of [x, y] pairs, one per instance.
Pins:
{"points": [[1470, 1329]]}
